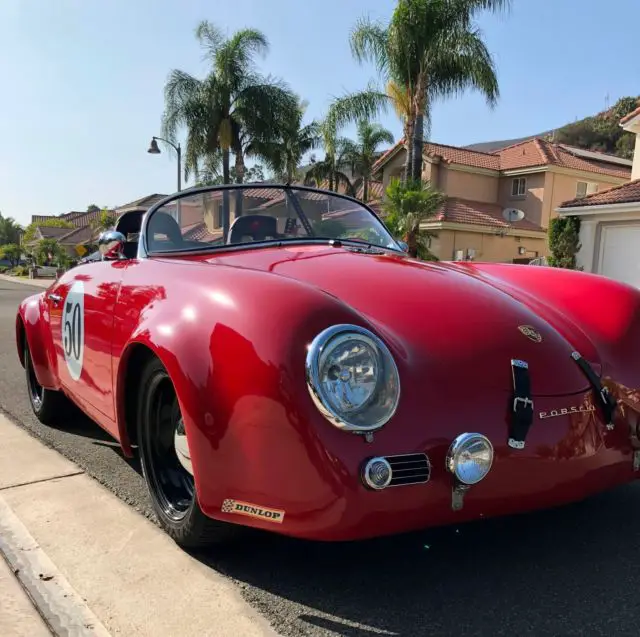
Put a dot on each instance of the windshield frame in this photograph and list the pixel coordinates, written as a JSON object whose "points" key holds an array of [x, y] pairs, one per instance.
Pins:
{"points": [[289, 189]]}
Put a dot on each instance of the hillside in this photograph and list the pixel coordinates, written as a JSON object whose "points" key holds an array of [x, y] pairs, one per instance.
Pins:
{"points": [[599, 132]]}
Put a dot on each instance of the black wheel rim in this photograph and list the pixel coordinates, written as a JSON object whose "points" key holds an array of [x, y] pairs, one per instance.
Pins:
{"points": [[172, 484], [36, 391]]}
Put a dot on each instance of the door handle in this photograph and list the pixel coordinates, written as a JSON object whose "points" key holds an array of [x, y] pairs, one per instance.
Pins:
{"points": [[56, 298]]}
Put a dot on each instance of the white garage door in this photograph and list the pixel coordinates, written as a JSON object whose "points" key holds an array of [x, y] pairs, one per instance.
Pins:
{"points": [[620, 253]]}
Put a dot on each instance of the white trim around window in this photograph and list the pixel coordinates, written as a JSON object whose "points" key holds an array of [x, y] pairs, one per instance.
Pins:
{"points": [[584, 188], [519, 187]]}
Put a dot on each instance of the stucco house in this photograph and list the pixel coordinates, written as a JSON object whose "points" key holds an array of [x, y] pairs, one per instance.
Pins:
{"points": [[530, 179], [610, 222]]}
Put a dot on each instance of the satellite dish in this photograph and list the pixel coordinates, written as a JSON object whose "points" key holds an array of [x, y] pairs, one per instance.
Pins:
{"points": [[512, 215]]}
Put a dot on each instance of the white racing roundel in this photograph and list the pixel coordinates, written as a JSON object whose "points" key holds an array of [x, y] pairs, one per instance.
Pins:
{"points": [[73, 329]]}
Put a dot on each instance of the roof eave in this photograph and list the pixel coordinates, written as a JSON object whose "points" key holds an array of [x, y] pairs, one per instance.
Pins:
{"points": [[594, 209]]}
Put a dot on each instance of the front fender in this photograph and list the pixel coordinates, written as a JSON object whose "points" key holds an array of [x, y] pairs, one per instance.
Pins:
{"points": [[33, 324], [607, 312], [236, 354]]}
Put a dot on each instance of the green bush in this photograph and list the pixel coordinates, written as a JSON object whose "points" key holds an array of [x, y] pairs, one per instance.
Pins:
{"points": [[564, 242], [20, 270]]}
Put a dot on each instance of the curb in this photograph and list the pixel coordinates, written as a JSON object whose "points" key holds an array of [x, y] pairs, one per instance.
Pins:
{"points": [[36, 283], [62, 609]]}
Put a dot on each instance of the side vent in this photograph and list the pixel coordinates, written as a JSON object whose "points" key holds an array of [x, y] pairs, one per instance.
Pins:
{"points": [[410, 468]]}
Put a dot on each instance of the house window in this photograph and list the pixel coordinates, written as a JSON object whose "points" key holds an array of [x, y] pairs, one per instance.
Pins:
{"points": [[519, 187], [584, 188]]}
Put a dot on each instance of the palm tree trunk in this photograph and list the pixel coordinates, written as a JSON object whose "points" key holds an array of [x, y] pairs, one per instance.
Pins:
{"points": [[239, 179], [408, 144], [417, 146], [365, 189], [225, 194]]}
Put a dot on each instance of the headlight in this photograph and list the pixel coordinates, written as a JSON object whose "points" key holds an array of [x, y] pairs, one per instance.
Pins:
{"points": [[470, 458], [352, 378]]}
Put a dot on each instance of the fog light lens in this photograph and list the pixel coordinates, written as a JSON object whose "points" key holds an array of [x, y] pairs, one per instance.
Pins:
{"points": [[470, 458], [377, 473]]}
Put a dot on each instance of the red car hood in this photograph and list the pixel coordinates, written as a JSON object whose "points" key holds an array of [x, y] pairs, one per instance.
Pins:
{"points": [[436, 318]]}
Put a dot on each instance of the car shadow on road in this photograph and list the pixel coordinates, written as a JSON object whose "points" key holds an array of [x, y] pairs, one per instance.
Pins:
{"points": [[79, 424], [554, 572]]}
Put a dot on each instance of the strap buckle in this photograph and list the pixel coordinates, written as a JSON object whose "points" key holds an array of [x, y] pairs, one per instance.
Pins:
{"points": [[524, 401]]}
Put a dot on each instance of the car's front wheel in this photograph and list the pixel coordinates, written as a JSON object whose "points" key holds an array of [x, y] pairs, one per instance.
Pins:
{"points": [[161, 440], [49, 406]]}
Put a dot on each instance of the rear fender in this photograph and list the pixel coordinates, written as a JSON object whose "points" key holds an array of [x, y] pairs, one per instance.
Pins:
{"points": [[32, 325]]}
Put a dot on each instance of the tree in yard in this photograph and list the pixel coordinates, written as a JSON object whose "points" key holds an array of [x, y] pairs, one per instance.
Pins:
{"points": [[283, 154], [361, 155], [430, 49], [49, 251], [564, 242], [106, 220], [11, 252], [9, 230], [93, 208], [407, 206], [230, 107]]}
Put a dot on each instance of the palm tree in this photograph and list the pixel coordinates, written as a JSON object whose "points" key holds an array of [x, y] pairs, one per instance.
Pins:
{"points": [[361, 155], [330, 169], [407, 206], [430, 49], [230, 107], [284, 153]]}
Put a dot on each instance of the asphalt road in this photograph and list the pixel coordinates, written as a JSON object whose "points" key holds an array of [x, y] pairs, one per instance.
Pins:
{"points": [[569, 571]]}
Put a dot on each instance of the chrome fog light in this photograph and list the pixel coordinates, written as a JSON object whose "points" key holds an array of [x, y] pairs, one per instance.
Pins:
{"points": [[470, 458], [377, 473]]}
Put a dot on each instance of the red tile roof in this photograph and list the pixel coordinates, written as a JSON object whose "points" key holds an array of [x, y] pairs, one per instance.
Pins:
{"points": [[200, 232], [376, 191], [527, 154], [478, 213], [464, 156], [630, 116], [626, 193]]}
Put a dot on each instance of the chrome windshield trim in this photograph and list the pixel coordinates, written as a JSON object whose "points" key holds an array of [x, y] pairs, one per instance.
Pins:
{"points": [[143, 252]]}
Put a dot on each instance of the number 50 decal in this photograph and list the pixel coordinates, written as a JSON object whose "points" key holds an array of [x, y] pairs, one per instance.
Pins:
{"points": [[73, 329]]}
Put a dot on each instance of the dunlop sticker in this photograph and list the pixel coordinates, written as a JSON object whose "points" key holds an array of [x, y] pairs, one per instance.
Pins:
{"points": [[252, 511]]}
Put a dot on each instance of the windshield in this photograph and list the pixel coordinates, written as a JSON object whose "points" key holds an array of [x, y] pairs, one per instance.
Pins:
{"points": [[216, 217]]}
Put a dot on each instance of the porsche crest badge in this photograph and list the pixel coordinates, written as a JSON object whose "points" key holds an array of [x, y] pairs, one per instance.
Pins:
{"points": [[531, 333]]}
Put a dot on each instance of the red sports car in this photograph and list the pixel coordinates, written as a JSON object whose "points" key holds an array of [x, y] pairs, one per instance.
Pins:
{"points": [[280, 362]]}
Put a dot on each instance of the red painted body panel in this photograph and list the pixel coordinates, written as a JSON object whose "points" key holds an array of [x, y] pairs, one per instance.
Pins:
{"points": [[232, 330]]}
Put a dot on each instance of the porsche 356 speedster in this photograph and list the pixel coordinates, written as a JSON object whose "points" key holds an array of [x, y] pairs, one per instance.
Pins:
{"points": [[278, 361]]}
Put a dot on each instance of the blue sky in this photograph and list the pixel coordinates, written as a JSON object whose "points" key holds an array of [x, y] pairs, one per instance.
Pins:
{"points": [[82, 81]]}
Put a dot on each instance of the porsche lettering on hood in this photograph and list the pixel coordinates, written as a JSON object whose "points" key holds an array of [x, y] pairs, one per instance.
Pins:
{"points": [[566, 411]]}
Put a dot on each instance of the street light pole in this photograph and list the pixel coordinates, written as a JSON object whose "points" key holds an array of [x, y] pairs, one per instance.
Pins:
{"points": [[155, 150]]}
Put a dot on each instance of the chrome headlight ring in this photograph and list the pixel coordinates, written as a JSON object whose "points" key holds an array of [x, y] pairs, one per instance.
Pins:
{"points": [[379, 406]]}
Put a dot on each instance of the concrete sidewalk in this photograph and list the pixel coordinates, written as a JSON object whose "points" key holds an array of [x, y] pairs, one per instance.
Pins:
{"points": [[92, 565], [40, 283]]}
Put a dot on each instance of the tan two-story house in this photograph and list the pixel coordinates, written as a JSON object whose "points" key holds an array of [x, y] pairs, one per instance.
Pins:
{"points": [[499, 204]]}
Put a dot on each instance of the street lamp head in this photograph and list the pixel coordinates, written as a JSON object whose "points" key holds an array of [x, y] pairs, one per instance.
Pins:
{"points": [[153, 147]]}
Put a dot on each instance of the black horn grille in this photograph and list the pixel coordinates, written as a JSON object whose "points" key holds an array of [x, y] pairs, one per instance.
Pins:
{"points": [[409, 468]]}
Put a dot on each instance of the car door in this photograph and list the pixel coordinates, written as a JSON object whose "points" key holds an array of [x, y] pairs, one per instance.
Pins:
{"points": [[81, 307]]}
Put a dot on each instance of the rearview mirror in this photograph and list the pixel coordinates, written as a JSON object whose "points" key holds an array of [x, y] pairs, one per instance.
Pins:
{"points": [[111, 245]]}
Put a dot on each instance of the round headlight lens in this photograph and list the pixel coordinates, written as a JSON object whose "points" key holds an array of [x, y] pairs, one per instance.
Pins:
{"points": [[353, 378], [470, 458]]}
